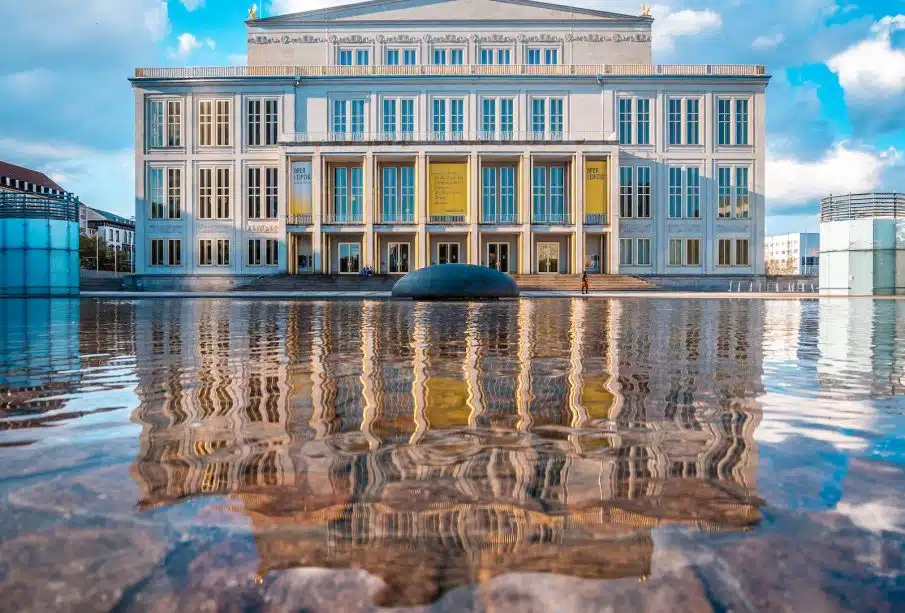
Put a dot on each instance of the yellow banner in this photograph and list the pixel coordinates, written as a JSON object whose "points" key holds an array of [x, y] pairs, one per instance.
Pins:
{"points": [[596, 194], [300, 198], [448, 189]]}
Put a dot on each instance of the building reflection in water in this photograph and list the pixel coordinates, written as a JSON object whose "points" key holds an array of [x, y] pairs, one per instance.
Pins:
{"points": [[457, 440]]}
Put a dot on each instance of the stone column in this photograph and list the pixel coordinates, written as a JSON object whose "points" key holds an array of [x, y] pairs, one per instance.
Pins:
{"points": [[369, 210], [422, 256], [318, 203], [474, 207], [577, 207], [524, 198]]}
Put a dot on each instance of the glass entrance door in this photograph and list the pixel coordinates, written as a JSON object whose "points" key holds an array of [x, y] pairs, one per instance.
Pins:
{"points": [[304, 261], [399, 258], [448, 253], [548, 257], [349, 258], [498, 256]]}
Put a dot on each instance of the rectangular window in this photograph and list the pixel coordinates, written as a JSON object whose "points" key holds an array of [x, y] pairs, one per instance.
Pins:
{"points": [[724, 121], [457, 117], [206, 123], [724, 192], [213, 193], [408, 57], [357, 124], [556, 119], [503, 56], [643, 251], [675, 252], [643, 121], [392, 57], [224, 122], [644, 187], [214, 123], [262, 189], [549, 202], [741, 122], [263, 122], [407, 120], [456, 57], [486, 57], [157, 252], [272, 252], [534, 56], [339, 117], [724, 252], [389, 117], [438, 118], [398, 194], [693, 252], [345, 57], [174, 193], [625, 251], [341, 194], [692, 121], [271, 193], [626, 191], [362, 57], [488, 118], [174, 252], [625, 121], [488, 194], [506, 117], [156, 192], [741, 252], [675, 192], [254, 252], [538, 118], [741, 193], [166, 123], [551, 56], [223, 205], [498, 194], [507, 194], [349, 257], [222, 252], [253, 198], [675, 121], [440, 56], [693, 193]]}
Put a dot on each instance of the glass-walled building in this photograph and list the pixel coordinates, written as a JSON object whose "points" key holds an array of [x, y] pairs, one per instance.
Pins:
{"points": [[529, 137]]}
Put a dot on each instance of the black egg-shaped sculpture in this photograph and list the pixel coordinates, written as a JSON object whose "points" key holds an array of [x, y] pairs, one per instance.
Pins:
{"points": [[455, 282]]}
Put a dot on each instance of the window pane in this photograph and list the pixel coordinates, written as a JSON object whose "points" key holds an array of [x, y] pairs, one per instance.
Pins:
{"points": [[439, 117], [457, 117], [174, 123], [626, 183], [362, 57], [625, 251], [392, 57], [271, 122], [389, 118], [556, 121], [408, 57], [488, 193], [254, 122], [693, 252], [741, 193], [741, 122], [643, 252], [389, 196], [488, 118], [533, 56], [724, 122], [643, 121], [551, 56], [625, 121], [357, 195], [157, 123], [741, 252], [339, 117], [538, 117], [557, 194], [340, 193], [724, 189], [456, 56], [675, 122], [692, 122], [205, 193], [271, 195], [539, 187], [675, 192], [507, 194], [408, 193], [407, 125], [439, 57], [506, 117], [693, 192], [675, 252], [156, 190], [358, 119], [643, 191]]}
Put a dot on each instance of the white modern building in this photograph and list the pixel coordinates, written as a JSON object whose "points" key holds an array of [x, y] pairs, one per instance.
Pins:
{"points": [[862, 244], [797, 253], [395, 134], [116, 231]]}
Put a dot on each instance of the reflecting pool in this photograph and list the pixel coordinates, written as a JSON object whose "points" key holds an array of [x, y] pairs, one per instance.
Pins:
{"points": [[530, 455]]}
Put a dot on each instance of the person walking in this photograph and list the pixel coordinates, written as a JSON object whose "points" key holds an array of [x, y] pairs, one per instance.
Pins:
{"points": [[584, 282]]}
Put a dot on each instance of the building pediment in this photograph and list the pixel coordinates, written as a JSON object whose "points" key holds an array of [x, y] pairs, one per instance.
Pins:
{"points": [[448, 10]]}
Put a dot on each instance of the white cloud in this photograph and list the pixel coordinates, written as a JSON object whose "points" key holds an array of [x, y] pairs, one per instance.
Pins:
{"points": [[686, 22], [763, 43], [842, 170], [237, 59], [191, 5], [873, 66], [188, 42], [101, 178]]}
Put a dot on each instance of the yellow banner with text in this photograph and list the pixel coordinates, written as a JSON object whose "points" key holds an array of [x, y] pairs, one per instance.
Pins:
{"points": [[300, 197], [448, 189], [596, 194]]}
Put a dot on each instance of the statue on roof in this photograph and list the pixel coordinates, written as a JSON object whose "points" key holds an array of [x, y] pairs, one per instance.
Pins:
{"points": [[645, 10], [253, 12]]}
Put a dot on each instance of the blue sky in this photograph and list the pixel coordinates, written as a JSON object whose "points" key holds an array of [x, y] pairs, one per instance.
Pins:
{"points": [[835, 106]]}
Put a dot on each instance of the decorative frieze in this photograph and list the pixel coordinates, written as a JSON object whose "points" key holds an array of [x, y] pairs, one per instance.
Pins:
{"points": [[264, 228], [285, 39], [358, 39]]}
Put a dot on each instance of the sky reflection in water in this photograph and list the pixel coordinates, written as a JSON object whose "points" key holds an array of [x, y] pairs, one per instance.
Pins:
{"points": [[528, 455]]}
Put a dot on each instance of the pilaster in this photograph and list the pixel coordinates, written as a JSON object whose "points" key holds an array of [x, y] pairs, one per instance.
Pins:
{"points": [[524, 212], [369, 210], [317, 211], [578, 257], [474, 207], [422, 257]]}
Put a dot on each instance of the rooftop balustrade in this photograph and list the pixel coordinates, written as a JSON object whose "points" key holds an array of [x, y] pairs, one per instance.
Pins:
{"points": [[611, 70]]}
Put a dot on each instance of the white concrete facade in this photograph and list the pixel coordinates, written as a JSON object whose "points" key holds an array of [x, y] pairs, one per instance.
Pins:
{"points": [[695, 205], [796, 253]]}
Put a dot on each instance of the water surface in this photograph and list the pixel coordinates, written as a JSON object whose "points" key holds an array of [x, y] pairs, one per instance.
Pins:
{"points": [[532, 455]]}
